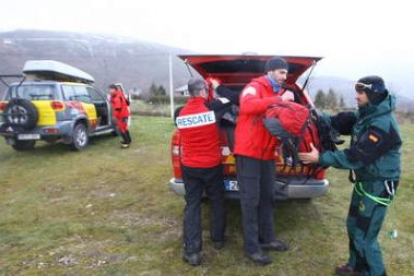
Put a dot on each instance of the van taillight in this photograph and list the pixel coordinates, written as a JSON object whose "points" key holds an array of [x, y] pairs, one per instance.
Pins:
{"points": [[3, 106], [57, 105]]}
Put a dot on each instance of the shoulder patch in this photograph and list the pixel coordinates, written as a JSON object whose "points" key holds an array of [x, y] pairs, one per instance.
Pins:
{"points": [[249, 90], [196, 120], [374, 143]]}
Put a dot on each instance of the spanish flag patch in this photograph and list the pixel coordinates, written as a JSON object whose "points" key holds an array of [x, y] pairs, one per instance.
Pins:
{"points": [[373, 138]]}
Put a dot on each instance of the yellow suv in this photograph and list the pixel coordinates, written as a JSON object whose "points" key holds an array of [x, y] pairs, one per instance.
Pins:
{"points": [[54, 102]]}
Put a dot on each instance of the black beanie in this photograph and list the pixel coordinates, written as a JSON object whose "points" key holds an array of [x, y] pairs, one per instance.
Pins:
{"points": [[377, 92], [276, 63]]}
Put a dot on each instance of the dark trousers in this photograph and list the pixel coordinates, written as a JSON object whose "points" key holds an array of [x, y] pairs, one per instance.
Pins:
{"points": [[364, 222], [122, 127], [256, 179], [196, 180]]}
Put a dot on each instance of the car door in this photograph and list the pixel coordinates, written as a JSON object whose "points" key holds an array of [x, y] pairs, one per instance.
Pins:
{"points": [[102, 106], [82, 96]]}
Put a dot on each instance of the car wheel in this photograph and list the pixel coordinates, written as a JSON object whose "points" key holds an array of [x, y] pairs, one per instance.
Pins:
{"points": [[24, 145], [80, 137], [22, 113]]}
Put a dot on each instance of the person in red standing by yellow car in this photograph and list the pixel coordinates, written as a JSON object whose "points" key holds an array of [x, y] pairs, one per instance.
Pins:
{"points": [[120, 114]]}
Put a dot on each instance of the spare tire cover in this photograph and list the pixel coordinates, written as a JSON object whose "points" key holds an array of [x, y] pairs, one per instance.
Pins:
{"points": [[22, 113]]}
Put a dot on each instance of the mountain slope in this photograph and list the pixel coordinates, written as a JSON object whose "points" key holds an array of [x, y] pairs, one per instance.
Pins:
{"points": [[137, 64]]}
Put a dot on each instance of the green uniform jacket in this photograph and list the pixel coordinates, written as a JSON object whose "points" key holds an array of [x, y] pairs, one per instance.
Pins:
{"points": [[374, 153]]}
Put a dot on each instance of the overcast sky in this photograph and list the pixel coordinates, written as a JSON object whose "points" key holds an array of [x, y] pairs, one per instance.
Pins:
{"points": [[356, 38]]}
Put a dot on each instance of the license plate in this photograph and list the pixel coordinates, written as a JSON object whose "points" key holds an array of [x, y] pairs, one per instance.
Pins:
{"points": [[31, 136], [231, 185]]}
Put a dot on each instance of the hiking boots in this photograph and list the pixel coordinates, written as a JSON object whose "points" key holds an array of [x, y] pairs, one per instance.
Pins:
{"points": [[193, 259], [276, 245], [346, 270], [259, 258]]}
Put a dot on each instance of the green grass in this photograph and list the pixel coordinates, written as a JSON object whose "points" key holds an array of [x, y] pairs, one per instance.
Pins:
{"points": [[107, 211], [140, 107]]}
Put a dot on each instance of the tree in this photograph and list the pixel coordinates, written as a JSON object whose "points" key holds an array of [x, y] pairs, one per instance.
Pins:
{"points": [[331, 99], [320, 99], [162, 91], [153, 89], [341, 102], [157, 90]]}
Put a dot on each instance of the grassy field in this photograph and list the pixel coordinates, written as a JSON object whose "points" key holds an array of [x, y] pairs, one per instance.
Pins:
{"points": [[107, 211], [139, 107]]}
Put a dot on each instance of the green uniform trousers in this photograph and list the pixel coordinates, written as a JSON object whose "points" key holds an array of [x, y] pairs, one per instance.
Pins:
{"points": [[364, 222]]}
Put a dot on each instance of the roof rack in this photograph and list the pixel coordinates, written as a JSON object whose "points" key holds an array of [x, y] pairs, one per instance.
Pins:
{"points": [[55, 70]]}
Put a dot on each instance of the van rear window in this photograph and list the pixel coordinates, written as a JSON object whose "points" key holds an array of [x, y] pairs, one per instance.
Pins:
{"points": [[31, 92]]}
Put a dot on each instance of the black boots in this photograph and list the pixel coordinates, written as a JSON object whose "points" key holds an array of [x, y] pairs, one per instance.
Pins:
{"points": [[276, 245], [259, 258], [193, 259], [126, 137]]}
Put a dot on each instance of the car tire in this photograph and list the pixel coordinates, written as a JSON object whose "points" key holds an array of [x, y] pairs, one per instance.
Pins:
{"points": [[80, 137], [24, 145], [22, 113]]}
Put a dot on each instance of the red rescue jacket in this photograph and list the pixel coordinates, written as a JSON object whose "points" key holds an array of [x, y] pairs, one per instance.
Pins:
{"points": [[252, 139], [119, 105], [199, 135]]}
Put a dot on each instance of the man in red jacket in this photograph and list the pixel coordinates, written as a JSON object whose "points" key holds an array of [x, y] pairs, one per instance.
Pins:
{"points": [[255, 154], [201, 166], [120, 113]]}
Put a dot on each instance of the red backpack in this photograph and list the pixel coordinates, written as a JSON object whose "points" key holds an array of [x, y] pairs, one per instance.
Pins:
{"points": [[287, 117], [292, 124]]}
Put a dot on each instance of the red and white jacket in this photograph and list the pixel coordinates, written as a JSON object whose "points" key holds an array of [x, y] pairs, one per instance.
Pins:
{"points": [[251, 138], [197, 123]]}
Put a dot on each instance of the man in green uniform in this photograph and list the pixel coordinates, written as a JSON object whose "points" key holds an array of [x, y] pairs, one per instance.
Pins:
{"points": [[374, 160]]}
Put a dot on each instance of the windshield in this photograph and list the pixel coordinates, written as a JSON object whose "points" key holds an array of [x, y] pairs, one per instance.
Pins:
{"points": [[33, 92]]}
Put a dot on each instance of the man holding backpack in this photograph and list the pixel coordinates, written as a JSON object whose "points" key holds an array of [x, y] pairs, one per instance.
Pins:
{"points": [[255, 160], [374, 160]]}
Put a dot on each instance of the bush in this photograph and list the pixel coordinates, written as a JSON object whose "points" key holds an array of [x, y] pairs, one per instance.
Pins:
{"points": [[161, 100], [158, 100], [180, 100]]}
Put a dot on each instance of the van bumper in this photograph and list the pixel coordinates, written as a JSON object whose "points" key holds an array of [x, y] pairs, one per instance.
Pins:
{"points": [[292, 188]]}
